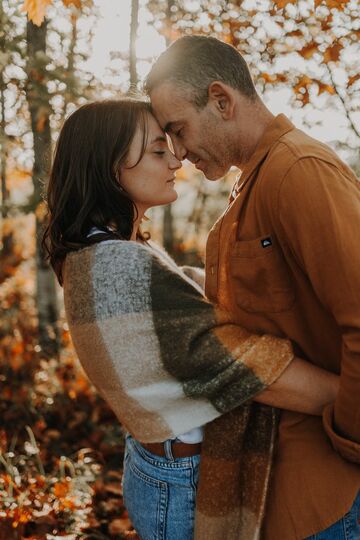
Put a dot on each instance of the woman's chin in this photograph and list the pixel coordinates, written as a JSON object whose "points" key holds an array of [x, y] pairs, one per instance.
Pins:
{"points": [[170, 197], [165, 200]]}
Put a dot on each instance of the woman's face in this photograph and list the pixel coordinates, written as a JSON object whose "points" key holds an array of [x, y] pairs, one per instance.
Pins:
{"points": [[151, 182]]}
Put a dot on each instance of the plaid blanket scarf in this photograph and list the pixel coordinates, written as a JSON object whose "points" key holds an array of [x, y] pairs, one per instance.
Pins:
{"points": [[166, 360]]}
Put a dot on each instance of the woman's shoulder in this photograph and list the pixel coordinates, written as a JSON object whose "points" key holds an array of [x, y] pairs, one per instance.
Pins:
{"points": [[109, 252], [107, 278], [124, 260]]}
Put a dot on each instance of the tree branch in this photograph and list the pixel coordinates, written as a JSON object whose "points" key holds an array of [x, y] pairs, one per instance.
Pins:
{"points": [[338, 93]]}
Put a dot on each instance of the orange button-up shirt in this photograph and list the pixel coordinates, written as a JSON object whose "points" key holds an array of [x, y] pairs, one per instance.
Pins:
{"points": [[284, 258]]}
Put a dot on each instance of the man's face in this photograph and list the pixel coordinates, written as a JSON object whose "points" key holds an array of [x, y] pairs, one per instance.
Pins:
{"points": [[196, 135]]}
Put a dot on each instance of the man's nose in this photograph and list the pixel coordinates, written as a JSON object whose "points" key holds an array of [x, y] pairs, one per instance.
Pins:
{"points": [[179, 150]]}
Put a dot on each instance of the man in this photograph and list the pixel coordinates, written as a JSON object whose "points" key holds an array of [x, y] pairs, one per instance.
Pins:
{"points": [[284, 259]]}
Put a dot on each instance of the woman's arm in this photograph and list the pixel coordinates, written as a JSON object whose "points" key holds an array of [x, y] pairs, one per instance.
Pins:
{"points": [[302, 387], [165, 358]]}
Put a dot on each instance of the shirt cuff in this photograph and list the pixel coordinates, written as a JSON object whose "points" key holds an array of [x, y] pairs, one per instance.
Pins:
{"points": [[348, 449]]}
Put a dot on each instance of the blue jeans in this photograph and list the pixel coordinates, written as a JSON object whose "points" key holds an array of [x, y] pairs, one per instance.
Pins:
{"points": [[347, 528], [159, 493]]}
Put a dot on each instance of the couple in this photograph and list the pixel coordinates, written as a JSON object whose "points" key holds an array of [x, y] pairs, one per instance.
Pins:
{"points": [[198, 380]]}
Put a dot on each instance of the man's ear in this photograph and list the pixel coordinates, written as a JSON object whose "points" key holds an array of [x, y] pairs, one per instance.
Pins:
{"points": [[222, 98]]}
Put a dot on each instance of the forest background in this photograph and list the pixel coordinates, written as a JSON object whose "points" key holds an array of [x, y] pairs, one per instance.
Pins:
{"points": [[60, 445]]}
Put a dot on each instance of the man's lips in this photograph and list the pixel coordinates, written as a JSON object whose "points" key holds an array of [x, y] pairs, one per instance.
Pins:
{"points": [[197, 164]]}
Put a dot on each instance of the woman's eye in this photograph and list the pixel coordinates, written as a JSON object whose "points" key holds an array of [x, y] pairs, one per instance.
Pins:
{"points": [[159, 152]]}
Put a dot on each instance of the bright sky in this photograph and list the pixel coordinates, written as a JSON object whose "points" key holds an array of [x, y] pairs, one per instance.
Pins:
{"points": [[112, 34]]}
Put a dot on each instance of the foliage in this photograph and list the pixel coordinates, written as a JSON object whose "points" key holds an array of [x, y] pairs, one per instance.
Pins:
{"points": [[36, 9], [60, 445]]}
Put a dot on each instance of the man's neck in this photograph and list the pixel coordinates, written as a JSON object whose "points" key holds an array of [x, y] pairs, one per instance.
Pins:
{"points": [[253, 127]]}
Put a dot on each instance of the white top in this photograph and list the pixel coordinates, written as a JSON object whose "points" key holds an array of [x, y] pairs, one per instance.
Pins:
{"points": [[193, 436]]}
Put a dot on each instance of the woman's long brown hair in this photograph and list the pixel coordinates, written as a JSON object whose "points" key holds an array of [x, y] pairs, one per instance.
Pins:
{"points": [[84, 189]]}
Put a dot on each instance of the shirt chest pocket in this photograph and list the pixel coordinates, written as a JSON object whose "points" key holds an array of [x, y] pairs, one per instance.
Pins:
{"points": [[259, 278]]}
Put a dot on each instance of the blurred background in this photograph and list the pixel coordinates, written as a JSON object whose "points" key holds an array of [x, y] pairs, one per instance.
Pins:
{"points": [[60, 446]]}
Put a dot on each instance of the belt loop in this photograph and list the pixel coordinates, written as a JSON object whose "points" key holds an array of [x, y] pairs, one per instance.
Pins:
{"points": [[168, 449]]}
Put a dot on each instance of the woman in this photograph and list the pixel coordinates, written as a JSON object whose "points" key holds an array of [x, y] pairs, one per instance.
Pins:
{"points": [[166, 360]]}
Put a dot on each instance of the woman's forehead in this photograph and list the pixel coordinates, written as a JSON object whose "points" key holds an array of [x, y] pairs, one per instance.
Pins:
{"points": [[154, 129]]}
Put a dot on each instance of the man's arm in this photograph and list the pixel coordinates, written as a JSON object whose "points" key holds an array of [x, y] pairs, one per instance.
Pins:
{"points": [[302, 387], [319, 211]]}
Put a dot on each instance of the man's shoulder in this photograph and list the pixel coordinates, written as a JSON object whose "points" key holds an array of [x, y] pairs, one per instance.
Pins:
{"points": [[301, 145], [296, 145], [297, 151]]}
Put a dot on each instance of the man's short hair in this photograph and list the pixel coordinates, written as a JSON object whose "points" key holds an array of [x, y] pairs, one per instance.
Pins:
{"points": [[194, 62]]}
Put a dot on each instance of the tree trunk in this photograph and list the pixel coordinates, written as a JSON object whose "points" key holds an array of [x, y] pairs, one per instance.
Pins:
{"points": [[6, 236], [132, 49], [168, 225], [69, 93], [38, 101]]}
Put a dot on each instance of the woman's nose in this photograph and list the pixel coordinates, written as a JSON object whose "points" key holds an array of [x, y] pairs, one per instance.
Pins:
{"points": [[175, 163]]}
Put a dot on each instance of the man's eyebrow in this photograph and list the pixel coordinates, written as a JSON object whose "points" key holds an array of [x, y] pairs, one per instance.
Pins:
{"points": [[170, 126], [160, 138]]}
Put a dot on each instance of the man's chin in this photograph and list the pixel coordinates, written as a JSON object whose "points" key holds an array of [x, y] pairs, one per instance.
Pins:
{"points": [[212, 173]]}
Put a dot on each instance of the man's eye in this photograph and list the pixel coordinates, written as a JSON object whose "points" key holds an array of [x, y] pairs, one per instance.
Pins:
{"points": [[178, 132]]}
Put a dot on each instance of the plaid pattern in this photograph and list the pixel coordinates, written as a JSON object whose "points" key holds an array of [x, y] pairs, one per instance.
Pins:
{"points": [[167, 361]]}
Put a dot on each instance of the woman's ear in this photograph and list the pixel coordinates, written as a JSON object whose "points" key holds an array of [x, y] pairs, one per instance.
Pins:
{"points": [[117, 176], [222, 97]]}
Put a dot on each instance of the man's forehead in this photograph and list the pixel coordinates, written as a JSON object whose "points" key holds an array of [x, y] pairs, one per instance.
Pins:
{"points": [[168, 103]]}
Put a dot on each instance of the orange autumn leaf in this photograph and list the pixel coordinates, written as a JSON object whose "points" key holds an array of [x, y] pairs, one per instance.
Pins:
{"points": [[280, 4], [303, 82], [304, 97], [267, 77], [353, 79], [294, 33], [62, 488], [68, 504], [336, 4], [20, 515], [309, 50], [35, 10], [76, 3], [18, 348], [40, 481], [325, 88], [332, 53]]}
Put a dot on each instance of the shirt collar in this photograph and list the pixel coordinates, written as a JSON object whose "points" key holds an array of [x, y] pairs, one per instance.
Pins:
{"points": [[275, 130]]}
